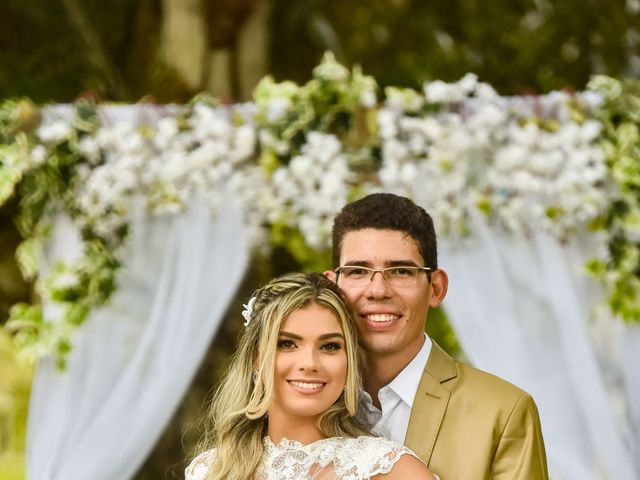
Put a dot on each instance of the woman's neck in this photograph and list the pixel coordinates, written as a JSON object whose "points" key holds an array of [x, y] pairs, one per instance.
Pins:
{"points": [[300, 429]]}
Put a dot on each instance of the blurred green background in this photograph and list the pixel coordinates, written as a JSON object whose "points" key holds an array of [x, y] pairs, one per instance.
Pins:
{"points": [[167, 51]]}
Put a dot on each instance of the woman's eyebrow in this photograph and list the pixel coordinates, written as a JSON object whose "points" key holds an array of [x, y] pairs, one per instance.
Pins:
{"points": [[327, 336], [321, 337], [290, 335]]}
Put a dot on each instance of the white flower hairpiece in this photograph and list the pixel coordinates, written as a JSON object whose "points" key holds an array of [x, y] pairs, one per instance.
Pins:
{"points": [[248, 310]]}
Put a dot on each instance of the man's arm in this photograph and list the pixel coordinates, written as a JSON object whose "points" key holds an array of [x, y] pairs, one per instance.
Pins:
{"points": [[520, 454]]}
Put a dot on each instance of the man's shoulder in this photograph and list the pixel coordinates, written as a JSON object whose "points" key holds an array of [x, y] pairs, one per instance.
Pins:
{"points": [[461, 378], [487, 384]]}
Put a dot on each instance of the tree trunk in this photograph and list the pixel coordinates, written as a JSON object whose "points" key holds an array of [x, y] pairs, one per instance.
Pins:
{"points": [[253, 49], [184, 40]]}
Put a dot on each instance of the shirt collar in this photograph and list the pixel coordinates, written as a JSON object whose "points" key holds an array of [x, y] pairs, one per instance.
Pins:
{"points": [[405, 384]]}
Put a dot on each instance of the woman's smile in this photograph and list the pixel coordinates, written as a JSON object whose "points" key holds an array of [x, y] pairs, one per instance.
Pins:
{"points": [[310, 369]]}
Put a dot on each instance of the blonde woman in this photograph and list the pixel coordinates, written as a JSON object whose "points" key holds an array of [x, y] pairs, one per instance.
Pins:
{"points": [[286, 408]]}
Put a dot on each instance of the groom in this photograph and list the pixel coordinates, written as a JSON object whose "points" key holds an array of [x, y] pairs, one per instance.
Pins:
{"points": [[463, 422]]}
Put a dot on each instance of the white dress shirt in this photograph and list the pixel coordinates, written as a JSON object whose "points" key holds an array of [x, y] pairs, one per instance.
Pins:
{"points": [[396, 399]]}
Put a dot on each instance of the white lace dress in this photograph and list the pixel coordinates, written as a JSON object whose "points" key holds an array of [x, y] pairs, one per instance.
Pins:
{"points": [[336, 458]]}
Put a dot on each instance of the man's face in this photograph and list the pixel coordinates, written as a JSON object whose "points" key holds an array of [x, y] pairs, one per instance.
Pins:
{"points": [[390, 320]]}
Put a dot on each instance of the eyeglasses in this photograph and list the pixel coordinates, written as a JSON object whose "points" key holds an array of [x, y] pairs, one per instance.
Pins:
{"points": [[400, 276]]}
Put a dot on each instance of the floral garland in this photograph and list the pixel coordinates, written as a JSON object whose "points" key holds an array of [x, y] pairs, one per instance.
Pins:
{"points": [[558, 162], [620, 142]]}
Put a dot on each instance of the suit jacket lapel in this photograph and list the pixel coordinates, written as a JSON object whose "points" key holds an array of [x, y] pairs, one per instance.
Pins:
{"points": [[430, 403]]}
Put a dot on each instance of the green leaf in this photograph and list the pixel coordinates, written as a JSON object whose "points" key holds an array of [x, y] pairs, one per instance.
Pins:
{"points": [[27, 255], [21, 314], [484, 205], [596, 267], [9, 178]]}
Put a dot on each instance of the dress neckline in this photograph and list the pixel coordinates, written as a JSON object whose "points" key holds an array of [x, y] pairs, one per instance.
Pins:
{"points": [[287, 443]]}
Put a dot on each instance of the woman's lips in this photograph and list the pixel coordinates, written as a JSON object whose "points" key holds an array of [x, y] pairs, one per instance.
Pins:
{"points": [[305, 386]]}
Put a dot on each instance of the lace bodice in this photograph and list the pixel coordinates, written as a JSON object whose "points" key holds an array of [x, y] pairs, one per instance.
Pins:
{"points": [[336, 458]]}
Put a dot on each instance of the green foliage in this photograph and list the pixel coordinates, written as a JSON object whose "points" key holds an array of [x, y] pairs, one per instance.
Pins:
{"points": [[439, 329], [330, 102], [42, 181], [518, 47], [292, 241], [15, 381], [620, 273]]}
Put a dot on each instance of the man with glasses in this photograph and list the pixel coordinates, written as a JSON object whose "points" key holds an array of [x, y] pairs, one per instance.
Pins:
{"points": [[463, 422]]}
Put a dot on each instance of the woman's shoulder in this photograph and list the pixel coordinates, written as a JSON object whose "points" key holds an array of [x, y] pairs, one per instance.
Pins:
{"points": [[197, 469], [371, 456], [370, 445]]}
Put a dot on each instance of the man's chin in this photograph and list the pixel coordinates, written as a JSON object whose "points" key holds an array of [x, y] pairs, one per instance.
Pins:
{"points": [[377, 347]]}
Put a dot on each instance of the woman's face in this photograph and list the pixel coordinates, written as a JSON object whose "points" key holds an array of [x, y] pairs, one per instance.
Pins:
{"points": [[310, 363]]}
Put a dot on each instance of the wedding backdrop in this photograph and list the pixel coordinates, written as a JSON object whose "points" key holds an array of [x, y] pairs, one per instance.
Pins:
{"points": [[139, 221]]}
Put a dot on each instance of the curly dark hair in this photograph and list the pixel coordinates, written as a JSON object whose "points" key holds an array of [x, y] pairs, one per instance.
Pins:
{"points": [[386, 211]]}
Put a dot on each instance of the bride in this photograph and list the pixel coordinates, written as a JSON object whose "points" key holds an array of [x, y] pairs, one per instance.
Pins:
{"points": [[286, 408]]}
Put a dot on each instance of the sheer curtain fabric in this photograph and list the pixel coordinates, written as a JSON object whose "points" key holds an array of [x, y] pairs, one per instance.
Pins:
{"points": [[133, 360], [524, 310]]}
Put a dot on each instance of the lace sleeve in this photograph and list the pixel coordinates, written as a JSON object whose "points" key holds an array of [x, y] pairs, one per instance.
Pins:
{"points": [[200, 465], [375, 455]]}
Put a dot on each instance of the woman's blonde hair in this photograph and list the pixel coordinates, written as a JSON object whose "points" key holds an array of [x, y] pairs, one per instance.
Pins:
{"points": [[237, 416]]}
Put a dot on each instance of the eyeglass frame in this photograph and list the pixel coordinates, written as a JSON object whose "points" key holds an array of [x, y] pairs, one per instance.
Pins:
{"points": [[373, 271]]}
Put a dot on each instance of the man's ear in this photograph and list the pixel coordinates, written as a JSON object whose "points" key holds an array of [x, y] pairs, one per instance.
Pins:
{"points": [[331, 275], [439, 285]]}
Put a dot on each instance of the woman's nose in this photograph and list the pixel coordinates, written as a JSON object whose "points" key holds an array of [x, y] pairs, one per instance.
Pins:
{"points": [[307, 360]]}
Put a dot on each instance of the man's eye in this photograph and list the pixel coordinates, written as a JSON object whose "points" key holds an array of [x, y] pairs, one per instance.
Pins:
{"points": [[332, 346], [286, 344], [355, 272], [402, 272]]}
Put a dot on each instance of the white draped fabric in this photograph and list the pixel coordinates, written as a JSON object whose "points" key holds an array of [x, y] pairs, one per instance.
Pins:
{"points": [[133, 360], [523, 309]]}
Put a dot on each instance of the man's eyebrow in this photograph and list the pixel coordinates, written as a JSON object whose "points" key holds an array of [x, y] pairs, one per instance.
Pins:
{"points": [[326, 336], [388, 263], [401, 263]]}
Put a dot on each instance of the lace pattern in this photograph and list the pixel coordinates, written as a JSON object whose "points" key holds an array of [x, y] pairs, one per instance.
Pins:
{"points": [[335, 458], [199, 466]]}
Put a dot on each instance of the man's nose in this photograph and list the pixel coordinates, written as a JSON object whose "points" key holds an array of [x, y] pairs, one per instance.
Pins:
{"points": [[377, 286]]}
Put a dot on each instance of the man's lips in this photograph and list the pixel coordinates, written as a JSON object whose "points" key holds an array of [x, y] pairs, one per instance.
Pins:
{"points": [[380, 317], [380, 321]]}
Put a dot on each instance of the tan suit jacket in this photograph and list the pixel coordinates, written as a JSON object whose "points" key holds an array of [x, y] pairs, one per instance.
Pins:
{"points": [[468, 424]]}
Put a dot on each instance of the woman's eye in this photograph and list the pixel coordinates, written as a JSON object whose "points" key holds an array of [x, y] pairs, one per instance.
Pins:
{"points": [[285, 344], [332, 346]]}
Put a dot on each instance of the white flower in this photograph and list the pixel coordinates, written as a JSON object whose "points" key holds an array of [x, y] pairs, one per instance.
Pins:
{"points": [[441, 92], [403, 99], [38, 155], [387, 123], [468, 83], [64, 280], [54, 132], [277, 108], [368, 99], [330, 69], [248, 310]]}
